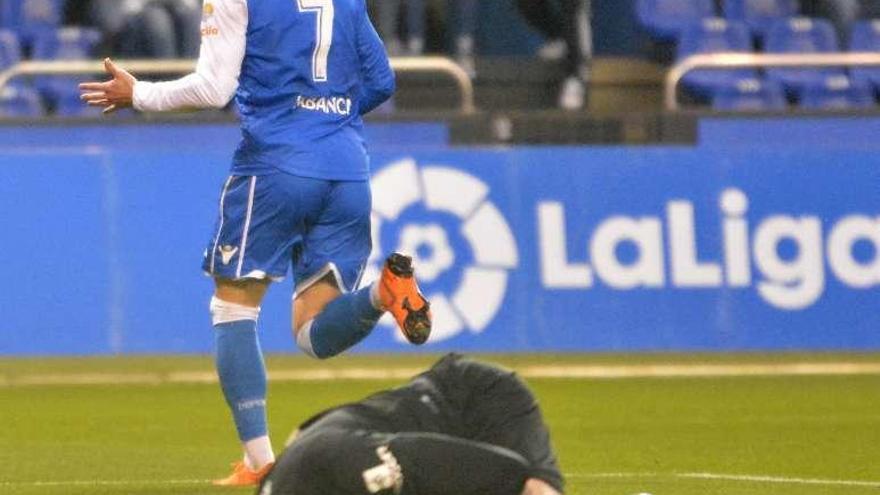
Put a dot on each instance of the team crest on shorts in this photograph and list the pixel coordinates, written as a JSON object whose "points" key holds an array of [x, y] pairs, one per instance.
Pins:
{"points": [[227, 252]]}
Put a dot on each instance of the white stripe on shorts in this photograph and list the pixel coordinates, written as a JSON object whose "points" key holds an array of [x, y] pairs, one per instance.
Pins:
{"points": [[247, 226], [328, 268], [220, 226]]}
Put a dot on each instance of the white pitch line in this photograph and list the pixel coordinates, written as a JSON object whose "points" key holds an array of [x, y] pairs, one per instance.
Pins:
{"points": [[596, 476], [750, 478], [597, 372], [86, 379], [11, 484], [698, 370], [778, 479], [599, 476]]}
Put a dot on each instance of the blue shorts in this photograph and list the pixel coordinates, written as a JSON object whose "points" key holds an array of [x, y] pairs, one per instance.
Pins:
{"points": [[267, 222]]}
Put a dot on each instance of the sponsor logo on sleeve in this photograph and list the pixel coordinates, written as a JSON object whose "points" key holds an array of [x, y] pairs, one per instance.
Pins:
{"points": [[207, 15]]}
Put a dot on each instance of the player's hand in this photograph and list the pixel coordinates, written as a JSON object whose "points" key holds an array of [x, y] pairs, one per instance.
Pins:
{"points": [[111, 95]]}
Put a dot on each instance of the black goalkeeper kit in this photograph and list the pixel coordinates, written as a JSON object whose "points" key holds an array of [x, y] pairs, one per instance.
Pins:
{"points": [[461, 428]]}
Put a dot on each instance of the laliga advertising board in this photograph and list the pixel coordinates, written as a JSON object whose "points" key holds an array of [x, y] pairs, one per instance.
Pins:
{"points": [[729, 245], [621, 249]]}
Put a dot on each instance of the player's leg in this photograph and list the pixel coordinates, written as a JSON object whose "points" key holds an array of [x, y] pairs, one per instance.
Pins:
{"points": [[329, 315], [187, 14], [388, 20], [578, 35], [543, 16], [328, 322], [235, 309], [464, 38], [248, 249], [468, 12], [415, 25]]}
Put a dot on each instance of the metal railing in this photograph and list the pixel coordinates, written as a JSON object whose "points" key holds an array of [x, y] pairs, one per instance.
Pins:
{"points": [[183, 66], [718, 61]]}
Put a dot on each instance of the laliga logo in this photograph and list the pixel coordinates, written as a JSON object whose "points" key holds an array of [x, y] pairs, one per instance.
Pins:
{"points": [[461, 245]]}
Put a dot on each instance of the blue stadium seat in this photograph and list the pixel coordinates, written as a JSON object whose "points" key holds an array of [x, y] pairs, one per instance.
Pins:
{"points": [[70, 105], [712, 36], [838, 93], [63, 44], [865, 37], [20, 101], [10, 49], [760, 15], [666, 19], [5, 7], [66, 44], [31, 18], [801, 35], [750, 95], [10, 54]]}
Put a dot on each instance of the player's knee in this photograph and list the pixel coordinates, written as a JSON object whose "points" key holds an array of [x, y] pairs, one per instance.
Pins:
{"points": [[304, 341], [226, 312], [309, 303]]}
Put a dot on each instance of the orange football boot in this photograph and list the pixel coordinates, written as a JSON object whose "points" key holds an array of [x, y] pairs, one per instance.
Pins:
{"points": [[242, 476], [399, 294]]}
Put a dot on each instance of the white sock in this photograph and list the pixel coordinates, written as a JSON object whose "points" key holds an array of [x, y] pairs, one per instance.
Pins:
{"points": [[258, 453], [374, 296], [304, 339]]}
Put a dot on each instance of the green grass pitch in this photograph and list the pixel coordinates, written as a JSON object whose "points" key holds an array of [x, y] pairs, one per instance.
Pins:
{"points": [[161, 429]]}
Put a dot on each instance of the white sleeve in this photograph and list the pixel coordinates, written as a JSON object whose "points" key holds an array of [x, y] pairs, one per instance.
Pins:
{"points": [[212, 85]]}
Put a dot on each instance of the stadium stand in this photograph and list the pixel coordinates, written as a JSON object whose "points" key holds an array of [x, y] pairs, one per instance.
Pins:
{"points": [[711, 36], [10, 49], [760, 15], [31, 18], [865, 37], [16, 99], [750, 95], [837, 93], [507, 78], [801, 35], [20, 101], [64, 44], [68, 43], [666, 19]]}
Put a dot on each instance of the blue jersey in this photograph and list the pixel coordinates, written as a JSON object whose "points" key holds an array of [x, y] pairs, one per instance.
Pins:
{"points": [[311, 69]]}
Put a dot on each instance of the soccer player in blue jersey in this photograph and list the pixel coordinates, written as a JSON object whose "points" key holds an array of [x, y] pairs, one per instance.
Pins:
{"points": [[303, 72]]}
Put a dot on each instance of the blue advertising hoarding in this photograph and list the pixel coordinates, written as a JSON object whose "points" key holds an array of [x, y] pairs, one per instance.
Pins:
{"points": [[519, 249]]}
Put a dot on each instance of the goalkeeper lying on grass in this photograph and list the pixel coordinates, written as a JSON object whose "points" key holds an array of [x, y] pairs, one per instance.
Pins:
{"points": [[462, 427]]}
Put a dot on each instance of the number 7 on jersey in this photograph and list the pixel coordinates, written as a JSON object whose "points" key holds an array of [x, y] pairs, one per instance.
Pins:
{"points": [[323, 34]]}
